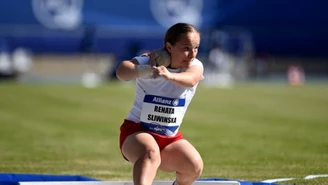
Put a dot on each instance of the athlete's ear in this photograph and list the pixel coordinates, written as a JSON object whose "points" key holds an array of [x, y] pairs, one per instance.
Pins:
{"points": [[168, 47]]}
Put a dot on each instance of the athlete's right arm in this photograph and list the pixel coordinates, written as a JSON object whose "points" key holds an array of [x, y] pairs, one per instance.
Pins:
{"points": [[131, 69], [127, 70]]}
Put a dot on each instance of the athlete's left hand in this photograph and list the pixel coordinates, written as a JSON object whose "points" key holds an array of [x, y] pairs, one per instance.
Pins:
{"points": [[161, 71]]}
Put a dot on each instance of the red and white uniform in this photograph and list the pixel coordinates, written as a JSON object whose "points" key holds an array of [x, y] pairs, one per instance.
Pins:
{"points": [[160, 105]]}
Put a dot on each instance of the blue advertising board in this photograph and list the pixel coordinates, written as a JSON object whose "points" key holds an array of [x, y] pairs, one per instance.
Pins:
{"points": [[278, 27]]}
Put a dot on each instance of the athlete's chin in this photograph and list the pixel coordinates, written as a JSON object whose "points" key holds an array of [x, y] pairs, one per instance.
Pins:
{"points": [[186, 63]]}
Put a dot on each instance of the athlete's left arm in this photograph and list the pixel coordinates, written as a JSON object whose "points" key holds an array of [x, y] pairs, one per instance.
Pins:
{"points": [[186, 79]]}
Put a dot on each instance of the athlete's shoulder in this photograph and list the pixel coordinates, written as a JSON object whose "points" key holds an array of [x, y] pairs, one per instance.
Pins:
{"points": [[199, 64], [196, 62]]}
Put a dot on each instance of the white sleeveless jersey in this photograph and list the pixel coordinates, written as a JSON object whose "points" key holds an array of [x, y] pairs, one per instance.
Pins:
{"points": [[159, 104]]}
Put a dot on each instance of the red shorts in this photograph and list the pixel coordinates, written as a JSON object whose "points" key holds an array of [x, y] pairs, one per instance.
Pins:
{"points": [[129, 127]]}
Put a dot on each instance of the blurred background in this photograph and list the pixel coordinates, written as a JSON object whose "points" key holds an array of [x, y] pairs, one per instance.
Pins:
{"points": [[254, 53], [83, 41]]}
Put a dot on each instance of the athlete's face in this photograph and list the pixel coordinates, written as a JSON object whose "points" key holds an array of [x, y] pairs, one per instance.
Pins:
{"points": [[185, 50]]}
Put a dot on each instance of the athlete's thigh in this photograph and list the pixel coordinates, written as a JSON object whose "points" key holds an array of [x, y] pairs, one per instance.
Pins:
{"points": [[137, 144], [179, 155]]}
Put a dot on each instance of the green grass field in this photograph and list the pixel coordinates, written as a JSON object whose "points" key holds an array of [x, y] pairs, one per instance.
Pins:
{"points": [[252, 132]]}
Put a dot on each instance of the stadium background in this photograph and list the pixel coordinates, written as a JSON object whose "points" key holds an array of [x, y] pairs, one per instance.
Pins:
{"points": [[73, 41], [280, 32]]}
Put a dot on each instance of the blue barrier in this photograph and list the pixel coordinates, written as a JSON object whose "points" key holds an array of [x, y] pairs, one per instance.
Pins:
{"points": [[15, 178]]}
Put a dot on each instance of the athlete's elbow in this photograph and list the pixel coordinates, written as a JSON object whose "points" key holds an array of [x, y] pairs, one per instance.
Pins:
{"points": [[186, 82], [191, 84], [122, 77], [192, 81], [121, 74]]}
